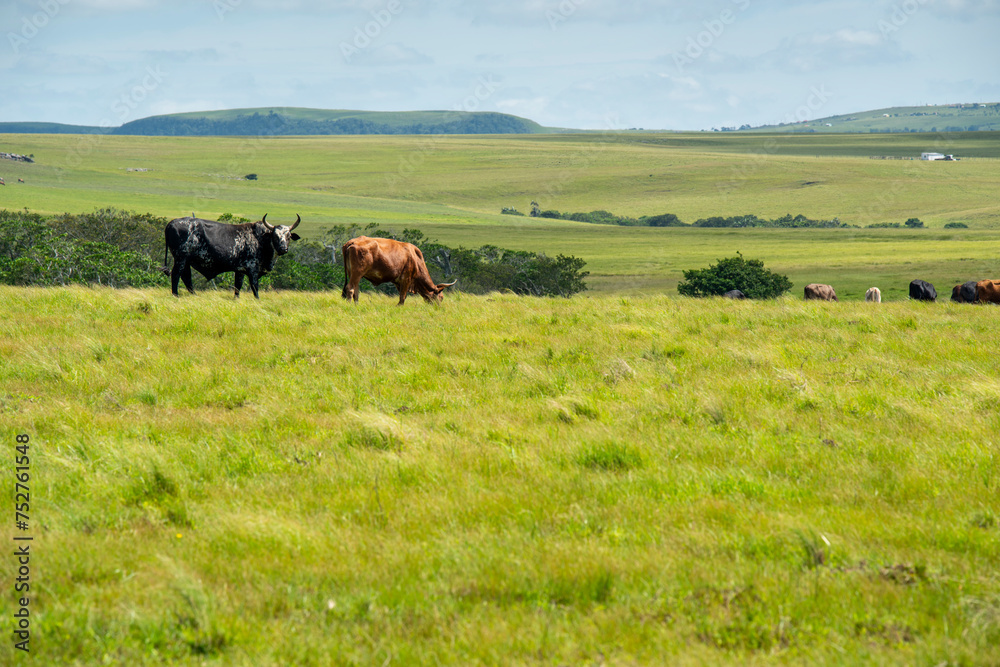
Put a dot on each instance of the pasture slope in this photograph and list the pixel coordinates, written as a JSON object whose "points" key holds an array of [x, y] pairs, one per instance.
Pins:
{"points": [[608, 479], [346, 178], [453, 187]]}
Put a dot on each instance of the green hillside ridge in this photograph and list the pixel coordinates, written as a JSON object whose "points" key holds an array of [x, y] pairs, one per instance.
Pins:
{"points": [[391, 118], [927, 118], [306, 121], [31, 127], [299, 121]]}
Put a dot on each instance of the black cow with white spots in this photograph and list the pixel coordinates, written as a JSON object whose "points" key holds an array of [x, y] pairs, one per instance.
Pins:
{"points": [[213, 248]]}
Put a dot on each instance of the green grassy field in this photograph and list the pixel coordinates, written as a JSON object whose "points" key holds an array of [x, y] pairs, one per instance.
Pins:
{"points": [[453, 187], [501, 480], [336, 178], [625, 477]]}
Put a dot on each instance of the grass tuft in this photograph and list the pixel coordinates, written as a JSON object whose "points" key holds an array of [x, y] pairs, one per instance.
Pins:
{"points": [[611, 457]]}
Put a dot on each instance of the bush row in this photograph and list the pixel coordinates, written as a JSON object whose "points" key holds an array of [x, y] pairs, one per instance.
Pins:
{"points": [[787, 221], [107, 247], [126, 249]]}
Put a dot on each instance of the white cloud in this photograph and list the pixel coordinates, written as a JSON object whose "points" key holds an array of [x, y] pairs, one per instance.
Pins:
{"points": [[526, 107], [389, 55], [554, 14], [821, 52], [113, 5], [967, 8], [209, 54], [862, 37]]}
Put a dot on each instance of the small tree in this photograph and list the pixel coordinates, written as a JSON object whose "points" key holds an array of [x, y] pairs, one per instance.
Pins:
{"points": [[663, 220], [747, 275], [914, 223]]}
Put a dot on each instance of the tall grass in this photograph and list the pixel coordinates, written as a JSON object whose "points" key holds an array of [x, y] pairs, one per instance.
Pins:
{"points": [[505, 480]]}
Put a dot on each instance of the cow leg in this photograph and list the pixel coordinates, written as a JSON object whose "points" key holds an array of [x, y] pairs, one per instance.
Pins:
{"points": [[404, 288], [180, 271], [239, 283], [186, 277], [351, 289], [175, 277], [254, 284]]}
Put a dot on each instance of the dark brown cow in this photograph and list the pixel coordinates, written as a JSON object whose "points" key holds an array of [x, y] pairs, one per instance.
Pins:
{"points": [[821, 292], [965, 292], [388, 261], [988, 291]]}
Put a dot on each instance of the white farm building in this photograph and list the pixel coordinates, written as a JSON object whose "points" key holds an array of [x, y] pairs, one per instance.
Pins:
{"points": [[936, 156]]}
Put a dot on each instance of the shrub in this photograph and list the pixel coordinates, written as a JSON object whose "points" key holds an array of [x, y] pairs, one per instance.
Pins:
{"points": [[914, 223], [306, 266], [751, 220], [662, 220], [126, 230], [956, 225], [747, 275], [107, 247], [510, 210]]}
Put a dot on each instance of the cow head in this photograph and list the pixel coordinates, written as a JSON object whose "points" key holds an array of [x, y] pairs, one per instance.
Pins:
{"points": [[437, 294], [281, 235]]}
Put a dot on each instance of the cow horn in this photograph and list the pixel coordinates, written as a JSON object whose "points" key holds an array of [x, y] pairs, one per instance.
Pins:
{"points": [[297, 221], [269, 226], [443, 285]]}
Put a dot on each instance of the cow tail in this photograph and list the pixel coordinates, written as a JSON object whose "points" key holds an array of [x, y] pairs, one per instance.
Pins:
{"points": [[346, 251], [166, 251]]}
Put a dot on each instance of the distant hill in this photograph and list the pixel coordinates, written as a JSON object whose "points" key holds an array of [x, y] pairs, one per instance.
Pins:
{"points": [[930, 118], [299, 121], [50, 128]]}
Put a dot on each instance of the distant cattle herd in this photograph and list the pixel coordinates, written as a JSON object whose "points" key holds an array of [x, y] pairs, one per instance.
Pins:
{"points": [[250, 250], [982, 291]]}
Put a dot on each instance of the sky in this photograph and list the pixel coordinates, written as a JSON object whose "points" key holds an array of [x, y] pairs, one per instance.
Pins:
{"points": [[588, 64]]}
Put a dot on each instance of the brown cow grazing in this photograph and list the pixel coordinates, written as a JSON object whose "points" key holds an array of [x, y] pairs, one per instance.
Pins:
{"points": [[988, 291], [388, 261], [874, 295], [821, 292]]}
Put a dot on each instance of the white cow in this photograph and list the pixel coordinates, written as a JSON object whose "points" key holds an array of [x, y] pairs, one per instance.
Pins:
{"points": [[874, 295]]}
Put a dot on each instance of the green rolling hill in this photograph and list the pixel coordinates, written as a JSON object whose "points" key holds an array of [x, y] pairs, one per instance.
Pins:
{"points": [[929, 118], [299, 121]]}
